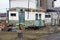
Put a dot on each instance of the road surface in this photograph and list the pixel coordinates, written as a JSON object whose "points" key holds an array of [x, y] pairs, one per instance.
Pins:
{"points": [[55, 36]]}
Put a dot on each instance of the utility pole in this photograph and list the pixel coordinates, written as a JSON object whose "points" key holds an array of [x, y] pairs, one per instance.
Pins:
{"points": [[8, 11], [28, 9], [9, 4], [58, 18], [6, 16]]}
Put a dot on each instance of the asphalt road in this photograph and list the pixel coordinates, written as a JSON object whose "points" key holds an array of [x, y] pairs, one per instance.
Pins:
{"points": [[55, 36]]}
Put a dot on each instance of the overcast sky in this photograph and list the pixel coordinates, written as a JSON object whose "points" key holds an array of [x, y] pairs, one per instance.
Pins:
{"points": [[57, 3], [5, 4]]}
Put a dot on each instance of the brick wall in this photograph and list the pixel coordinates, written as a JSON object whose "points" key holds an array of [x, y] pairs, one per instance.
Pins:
{"points": [[43, 3]]}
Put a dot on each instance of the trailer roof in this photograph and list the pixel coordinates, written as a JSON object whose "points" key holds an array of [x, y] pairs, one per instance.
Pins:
{"points": [[27, 8]]}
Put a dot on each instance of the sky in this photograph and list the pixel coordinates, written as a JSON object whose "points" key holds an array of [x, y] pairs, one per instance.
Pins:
{"points": [[57, 3], [4, 5]]}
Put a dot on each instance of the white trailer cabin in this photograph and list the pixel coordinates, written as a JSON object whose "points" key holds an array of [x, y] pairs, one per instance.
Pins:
{"points": [[28, 15]]}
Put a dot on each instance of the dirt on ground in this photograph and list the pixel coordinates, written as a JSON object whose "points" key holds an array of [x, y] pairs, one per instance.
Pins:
{"points": [[27, 34]]}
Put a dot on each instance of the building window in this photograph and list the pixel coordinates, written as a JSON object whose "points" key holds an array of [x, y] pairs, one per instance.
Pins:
{"points": [[36, 17], [39, 16], [13, 14], [47, 16]]}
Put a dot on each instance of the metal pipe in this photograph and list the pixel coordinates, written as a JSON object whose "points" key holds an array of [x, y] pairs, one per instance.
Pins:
{"points": [[28, 9], [9, 4], [9, 10]]}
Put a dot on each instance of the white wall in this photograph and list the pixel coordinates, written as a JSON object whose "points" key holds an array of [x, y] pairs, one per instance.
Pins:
{"points": [[32, 15], [23, 3], [48, 20], [13, 17], [52, 18], [43, 15]]}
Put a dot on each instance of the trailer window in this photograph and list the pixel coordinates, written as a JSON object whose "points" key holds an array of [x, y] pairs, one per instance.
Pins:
{"points": [[36, 17], [13, 14], [47, 16], [39, 16]]}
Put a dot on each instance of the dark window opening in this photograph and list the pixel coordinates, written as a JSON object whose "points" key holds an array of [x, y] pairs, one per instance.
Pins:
{"points": [[36, 16], [21, 10], [39, 16], [13, 14], [47, 16]]}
